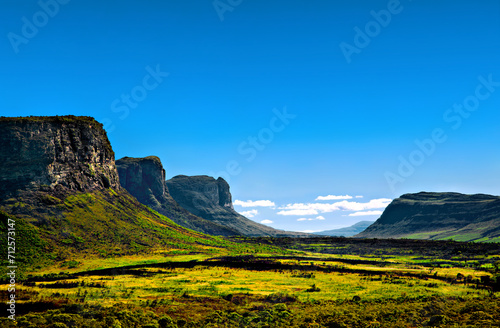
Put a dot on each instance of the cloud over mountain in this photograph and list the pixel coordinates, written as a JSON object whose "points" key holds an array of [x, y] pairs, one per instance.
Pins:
{"points": [[254, 203], [364, 213], [250, 214], [316, 208]]}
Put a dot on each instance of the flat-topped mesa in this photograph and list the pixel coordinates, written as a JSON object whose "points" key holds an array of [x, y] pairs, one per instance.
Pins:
{"points": [[67, 152], [200, 192], [144, 178], [439, 215], [211, 200]]}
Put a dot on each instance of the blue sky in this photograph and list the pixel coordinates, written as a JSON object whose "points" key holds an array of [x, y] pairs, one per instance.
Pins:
{"points": [[288, 100]]}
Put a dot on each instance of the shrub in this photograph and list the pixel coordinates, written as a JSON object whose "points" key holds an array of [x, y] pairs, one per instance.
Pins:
{"points": [[58, 325], [166, 322]]}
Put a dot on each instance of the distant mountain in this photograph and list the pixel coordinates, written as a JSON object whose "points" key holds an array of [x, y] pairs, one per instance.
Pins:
{"points": [[60, 192], [144, 178], [210, 199], [433, 215], [348, 231]]}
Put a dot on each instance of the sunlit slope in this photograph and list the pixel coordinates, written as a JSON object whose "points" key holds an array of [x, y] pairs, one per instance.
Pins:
{"points": [[439, 216], [100, 223]]}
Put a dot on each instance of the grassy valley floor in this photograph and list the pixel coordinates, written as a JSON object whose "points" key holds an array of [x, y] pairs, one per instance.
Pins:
{"points": [[327, 282]]}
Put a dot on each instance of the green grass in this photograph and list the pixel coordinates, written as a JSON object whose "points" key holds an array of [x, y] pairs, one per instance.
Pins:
{"points": [[109, 227], [300, 296], [324, 282]]}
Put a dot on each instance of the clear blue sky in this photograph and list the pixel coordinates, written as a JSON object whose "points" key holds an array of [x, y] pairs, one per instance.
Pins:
{"points": [[358, 101]]}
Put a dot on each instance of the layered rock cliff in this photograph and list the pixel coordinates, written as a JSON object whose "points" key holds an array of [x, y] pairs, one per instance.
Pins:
{"points": [[144, 178], [59, 182], [430, 215], [67, 152], [210, 199]]}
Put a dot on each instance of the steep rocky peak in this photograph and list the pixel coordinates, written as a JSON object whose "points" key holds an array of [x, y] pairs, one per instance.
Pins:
{"points": [[52, 152], [143, 177], [225, 198]]}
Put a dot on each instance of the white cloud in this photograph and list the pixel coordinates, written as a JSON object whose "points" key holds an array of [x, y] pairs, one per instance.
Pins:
{"points": [[249, 214], [372, 204], [316, 208], [266, 221], [366, 213], [359, 196], [317, 218], [298, 212], [333, 197], [310, 231], [254, 203]]}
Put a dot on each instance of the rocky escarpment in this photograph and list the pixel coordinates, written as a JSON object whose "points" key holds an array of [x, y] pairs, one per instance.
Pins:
{"points": [[144, 178], [59, 183], [428, 215], [67, 152], [211, 199]]}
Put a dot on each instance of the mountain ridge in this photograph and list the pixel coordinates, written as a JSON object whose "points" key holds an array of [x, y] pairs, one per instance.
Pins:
{"points": [[439, 215], [211, 199], [144, 178], [59, 183]]}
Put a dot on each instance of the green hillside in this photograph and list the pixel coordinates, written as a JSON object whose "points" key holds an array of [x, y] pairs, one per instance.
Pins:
{"points": [[105, 223], [438, 216]]}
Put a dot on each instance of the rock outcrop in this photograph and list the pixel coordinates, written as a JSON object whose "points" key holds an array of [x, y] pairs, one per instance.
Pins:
{"points": [[66, 152], [430, 215], [59, 182], [210, 199], [144, 178]]}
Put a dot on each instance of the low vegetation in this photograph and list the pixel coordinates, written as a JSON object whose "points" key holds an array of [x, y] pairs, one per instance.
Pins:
{"points": [[307, 285]]}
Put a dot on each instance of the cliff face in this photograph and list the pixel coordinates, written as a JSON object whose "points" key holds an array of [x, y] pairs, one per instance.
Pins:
{"points": [[201, 191], [53, 152], [59, 181], [144, 178], [211, 199], [428, 215]]}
